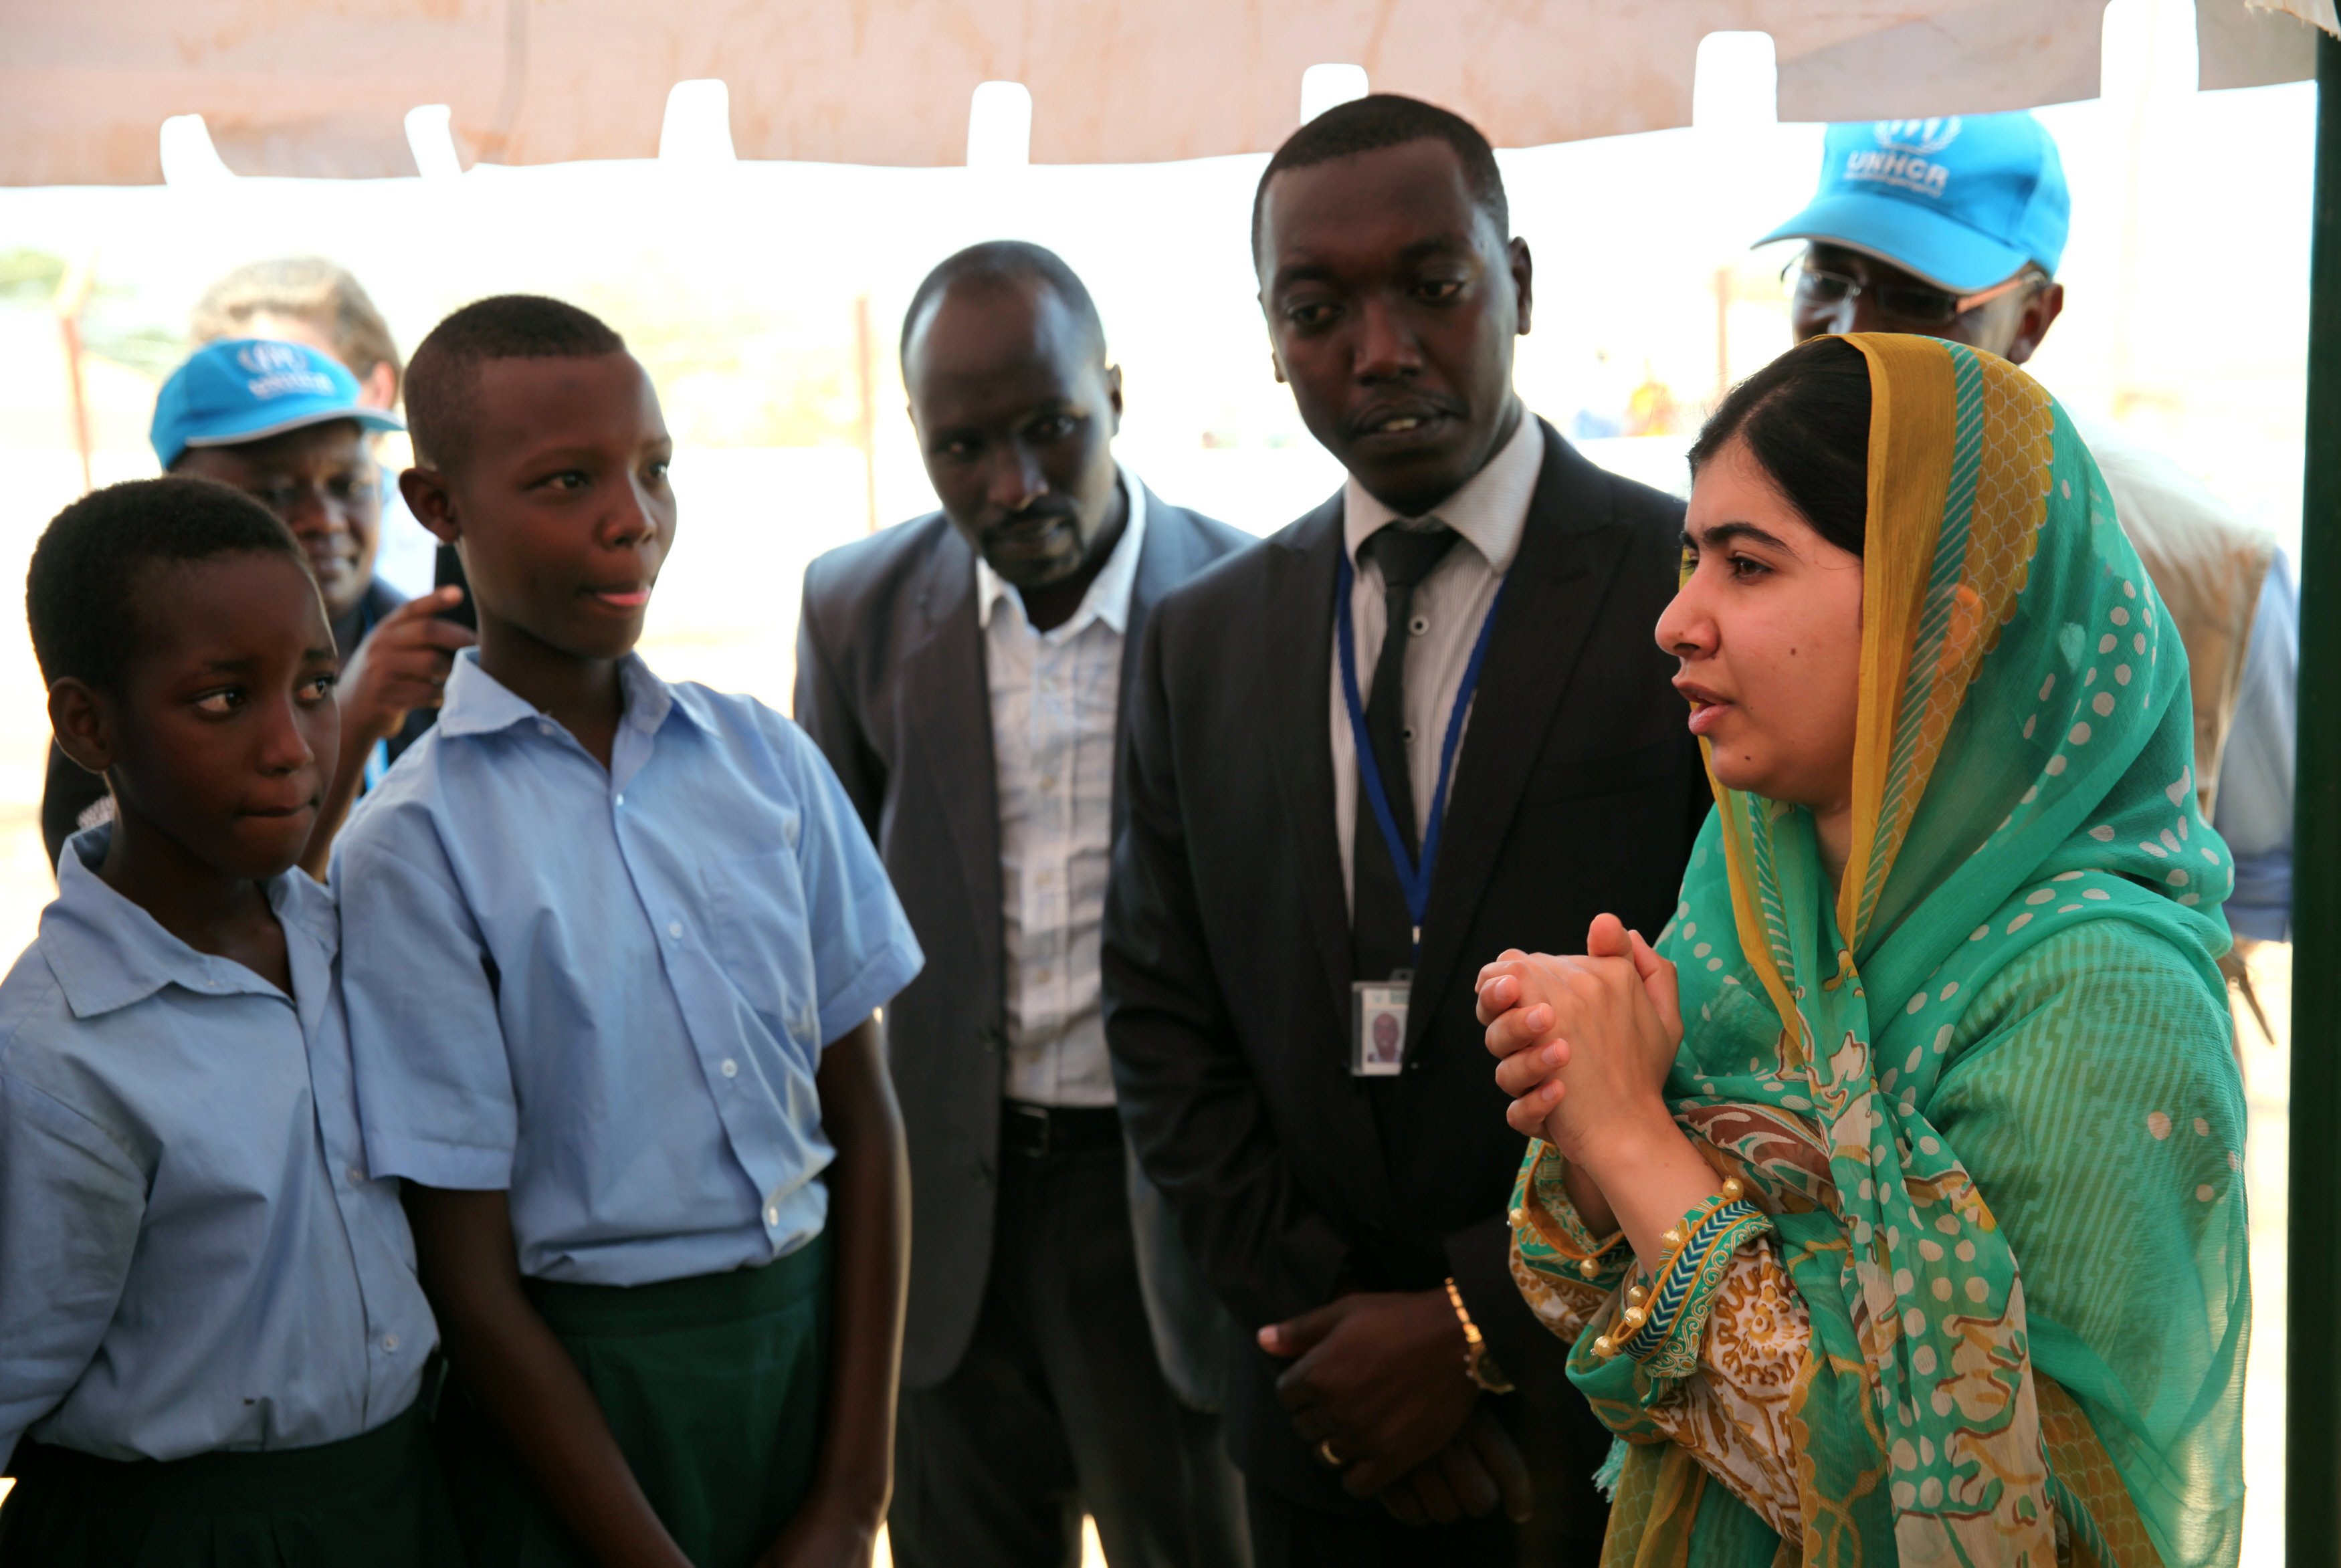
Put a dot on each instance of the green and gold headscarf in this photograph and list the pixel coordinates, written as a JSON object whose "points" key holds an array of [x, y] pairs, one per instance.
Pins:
{"points": [[1986, 1083]]}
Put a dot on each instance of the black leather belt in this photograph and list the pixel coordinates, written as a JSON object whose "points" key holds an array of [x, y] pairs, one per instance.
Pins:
{"points": [[1034, 1130]]}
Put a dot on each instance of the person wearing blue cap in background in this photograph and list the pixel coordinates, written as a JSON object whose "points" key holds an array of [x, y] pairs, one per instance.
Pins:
{"points": [[285, 424], [314, 301], [1953, 227]]}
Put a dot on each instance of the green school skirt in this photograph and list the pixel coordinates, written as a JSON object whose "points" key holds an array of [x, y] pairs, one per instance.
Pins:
{"points": [[713, 1387], [373, 1500]]}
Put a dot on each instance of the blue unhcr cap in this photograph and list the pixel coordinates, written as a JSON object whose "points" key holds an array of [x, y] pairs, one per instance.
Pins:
{"points": [[248, 389], [1962, 200]]}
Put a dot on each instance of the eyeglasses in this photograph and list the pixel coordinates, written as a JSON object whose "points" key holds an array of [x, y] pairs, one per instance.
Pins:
{"points": [[352, 489], [1916, 304]]}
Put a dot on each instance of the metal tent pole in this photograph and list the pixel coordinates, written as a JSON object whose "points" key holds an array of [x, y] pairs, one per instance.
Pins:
{"points": [[2313, 1377]]}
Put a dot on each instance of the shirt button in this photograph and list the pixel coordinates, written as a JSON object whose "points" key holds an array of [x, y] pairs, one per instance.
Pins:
{"points": [[773, 1216], [675, 929], [1420, 625], [390, 1342], [1042, 976], [357, 1176], [1047, 782], [1409, 733], [789, 834], [731, 1069], [621, 799], [544, 726]]}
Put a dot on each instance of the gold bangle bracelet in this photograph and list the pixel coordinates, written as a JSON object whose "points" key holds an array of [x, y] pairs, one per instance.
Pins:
{"points": [[1477, 1366]]}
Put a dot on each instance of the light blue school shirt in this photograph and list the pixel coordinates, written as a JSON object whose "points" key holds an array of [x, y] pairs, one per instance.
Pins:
{"points": [[606, 992], [193, 1255]]}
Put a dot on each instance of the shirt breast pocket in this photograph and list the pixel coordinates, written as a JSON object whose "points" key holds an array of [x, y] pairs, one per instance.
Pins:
{"points": [[756, 907]]}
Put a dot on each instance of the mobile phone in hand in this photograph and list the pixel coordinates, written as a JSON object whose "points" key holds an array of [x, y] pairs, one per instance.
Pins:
{"points": [[449, 573]]}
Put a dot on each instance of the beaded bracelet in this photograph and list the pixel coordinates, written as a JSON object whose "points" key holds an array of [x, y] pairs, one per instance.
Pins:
{"points": [[1479, 1366]]}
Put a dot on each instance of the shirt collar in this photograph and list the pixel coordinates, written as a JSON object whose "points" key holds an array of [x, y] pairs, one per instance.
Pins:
{"points": [[107, 952], [1108, 599], [477, 703], [1491, 509]]}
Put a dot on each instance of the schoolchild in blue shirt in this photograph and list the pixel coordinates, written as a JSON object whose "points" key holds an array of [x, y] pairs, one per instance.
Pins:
{"points": [[613, 950], [212, 1339], [287, 425]]}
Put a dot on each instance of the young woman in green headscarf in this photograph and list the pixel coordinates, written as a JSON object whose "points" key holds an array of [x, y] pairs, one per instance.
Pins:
{"points": [[1893, 1201]]}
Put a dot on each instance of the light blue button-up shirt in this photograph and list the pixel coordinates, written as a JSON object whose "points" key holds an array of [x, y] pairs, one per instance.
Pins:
{"points": [[192, 1254], [606, 992]]}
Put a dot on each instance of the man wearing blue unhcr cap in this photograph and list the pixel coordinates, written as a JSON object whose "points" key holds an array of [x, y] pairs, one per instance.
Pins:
{"points": [[284, 423], [1953, 227]]}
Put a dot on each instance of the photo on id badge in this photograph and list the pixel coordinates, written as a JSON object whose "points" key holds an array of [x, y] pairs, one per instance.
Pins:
{"points": [[1378, 1026]]}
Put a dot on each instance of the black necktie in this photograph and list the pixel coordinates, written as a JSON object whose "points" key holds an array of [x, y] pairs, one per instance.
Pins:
{"points": [[1382, 932]]}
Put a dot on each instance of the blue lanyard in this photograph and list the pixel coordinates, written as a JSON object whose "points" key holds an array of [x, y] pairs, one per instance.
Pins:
{"points": [[1413, 880]]}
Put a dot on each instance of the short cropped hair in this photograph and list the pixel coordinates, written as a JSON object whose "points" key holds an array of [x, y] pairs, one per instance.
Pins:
{"points": [[1006, 261], [81, 598], [307, 289], [443, 381], [1382, 120]]}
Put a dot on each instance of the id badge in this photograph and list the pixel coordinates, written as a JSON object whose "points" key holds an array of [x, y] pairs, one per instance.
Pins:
{"points": [[1378, 1025]]}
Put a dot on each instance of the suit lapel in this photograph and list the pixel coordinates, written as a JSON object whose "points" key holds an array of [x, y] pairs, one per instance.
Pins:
{"points": [[949, 706], [1299, 672], [1167, 557], [1297, 648], [1552, 597]]}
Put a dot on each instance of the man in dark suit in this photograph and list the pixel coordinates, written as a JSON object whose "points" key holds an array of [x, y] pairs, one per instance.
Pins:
{"points": [[964, 672], [1288, 1003]]}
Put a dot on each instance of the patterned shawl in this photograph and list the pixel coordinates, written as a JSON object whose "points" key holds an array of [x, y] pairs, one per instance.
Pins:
{"points": [[1987, 1088]]}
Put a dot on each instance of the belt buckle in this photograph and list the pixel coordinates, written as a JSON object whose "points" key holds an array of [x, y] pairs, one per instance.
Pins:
{"points": [[1037, 1123]]}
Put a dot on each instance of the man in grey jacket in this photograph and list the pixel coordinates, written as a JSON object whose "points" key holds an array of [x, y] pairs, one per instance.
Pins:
{"points": [[965, 673]]}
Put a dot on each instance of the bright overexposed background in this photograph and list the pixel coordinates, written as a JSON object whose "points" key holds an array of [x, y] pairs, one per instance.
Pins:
{"points": [[764, 297]]}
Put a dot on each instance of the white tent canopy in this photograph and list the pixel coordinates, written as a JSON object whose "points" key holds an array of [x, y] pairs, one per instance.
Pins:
{"points": [[324, 88]]}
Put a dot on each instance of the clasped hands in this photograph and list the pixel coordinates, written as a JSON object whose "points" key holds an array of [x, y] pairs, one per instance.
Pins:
{"points": [[1583, 1043], [1377, 1388], [1377, 1385]]}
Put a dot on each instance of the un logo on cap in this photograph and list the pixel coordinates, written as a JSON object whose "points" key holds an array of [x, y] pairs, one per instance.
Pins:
{"points": [[263, 358], [1921, 138]]}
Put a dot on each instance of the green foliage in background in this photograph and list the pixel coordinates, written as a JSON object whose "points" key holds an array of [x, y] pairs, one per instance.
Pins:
{"points": [[30, 277], [151, 350]]}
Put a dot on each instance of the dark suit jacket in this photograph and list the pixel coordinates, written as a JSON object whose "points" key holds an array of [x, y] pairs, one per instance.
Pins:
{"points": [[1227, 938], [891, 684]]}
